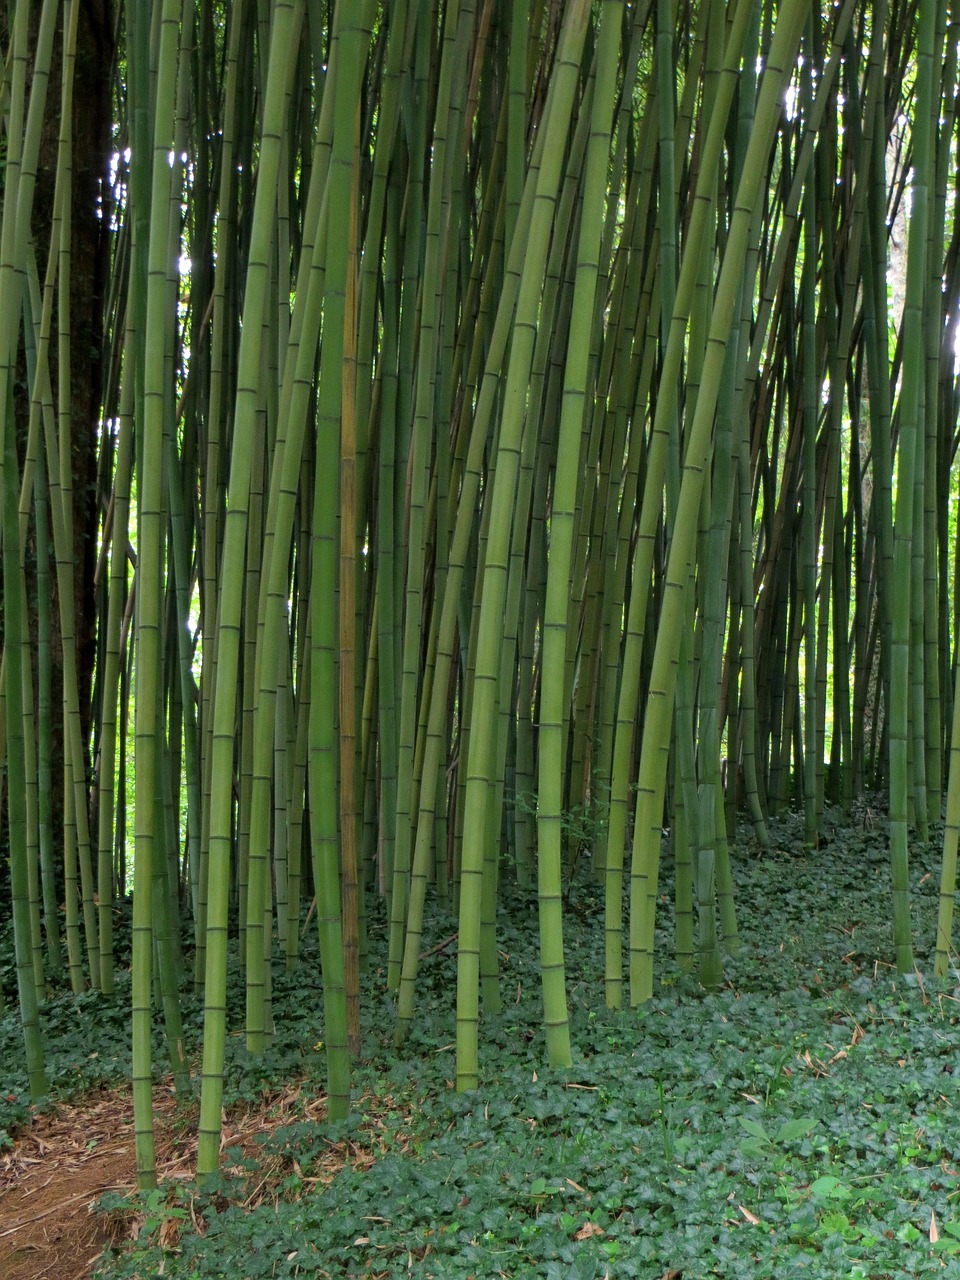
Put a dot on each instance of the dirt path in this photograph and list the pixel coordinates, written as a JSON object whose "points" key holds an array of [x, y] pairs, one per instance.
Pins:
{"points": [[63, 1163], [57, 1170]]}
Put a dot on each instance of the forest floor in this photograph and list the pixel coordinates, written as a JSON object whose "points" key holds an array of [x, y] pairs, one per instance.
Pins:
{"points": [[61, 1164], [798, 1122], [56, 1171]]}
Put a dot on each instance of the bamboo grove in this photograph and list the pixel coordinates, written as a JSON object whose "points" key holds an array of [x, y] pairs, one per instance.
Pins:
{"points": [[514, 418]]}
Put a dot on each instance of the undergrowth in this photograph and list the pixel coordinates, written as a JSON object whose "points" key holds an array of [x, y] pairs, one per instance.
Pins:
{"points": [[798, 1122]]}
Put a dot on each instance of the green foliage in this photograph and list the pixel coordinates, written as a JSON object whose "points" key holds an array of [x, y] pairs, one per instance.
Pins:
{"points": [[76, 1064], [582, 826], [798, 1122]]}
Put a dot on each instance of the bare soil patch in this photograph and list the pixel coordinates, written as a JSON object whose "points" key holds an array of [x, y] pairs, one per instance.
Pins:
{"points": [[62, 1163], [66, 1159], [58, 1169]]}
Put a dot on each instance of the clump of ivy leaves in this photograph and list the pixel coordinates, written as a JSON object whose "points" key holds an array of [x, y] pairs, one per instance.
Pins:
{"points": [[73, 1064], [77, 1063], [798, 1121]]}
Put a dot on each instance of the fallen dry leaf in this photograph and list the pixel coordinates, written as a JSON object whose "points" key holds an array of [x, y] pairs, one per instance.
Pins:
{"points": [[588, 1230]]}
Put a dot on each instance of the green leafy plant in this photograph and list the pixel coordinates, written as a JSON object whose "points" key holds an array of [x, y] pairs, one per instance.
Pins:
{"points": [[761, 1141]]}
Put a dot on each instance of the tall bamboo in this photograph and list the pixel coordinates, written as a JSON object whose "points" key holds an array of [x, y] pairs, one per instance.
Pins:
{"points": [[473, 871], [284, 33]]}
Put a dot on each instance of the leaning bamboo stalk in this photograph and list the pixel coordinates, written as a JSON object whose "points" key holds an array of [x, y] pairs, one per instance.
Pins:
{"points": [[656, 465], [437, 243], [646, 851], [450, 608], [566, 485], [285, 28], [474, 875]]}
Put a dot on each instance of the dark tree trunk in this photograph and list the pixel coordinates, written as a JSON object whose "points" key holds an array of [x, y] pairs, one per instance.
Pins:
{"points": [[91, 253]]}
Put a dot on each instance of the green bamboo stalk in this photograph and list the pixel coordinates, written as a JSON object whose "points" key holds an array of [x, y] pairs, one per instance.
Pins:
{"points": [[436, 247], [116, 599], [44, 715], [348, 631], [150, 541], [166, 938], [61, 477], [15, 672], [808, 515], [656, 463], [876, 337], [287, 17], [18, 274], [646, 850], [910, 409], [480, 759], [185, 683], [936, 478], [457, 574], [566, 484], [21, 163], [31, 837], [273, 625]]}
